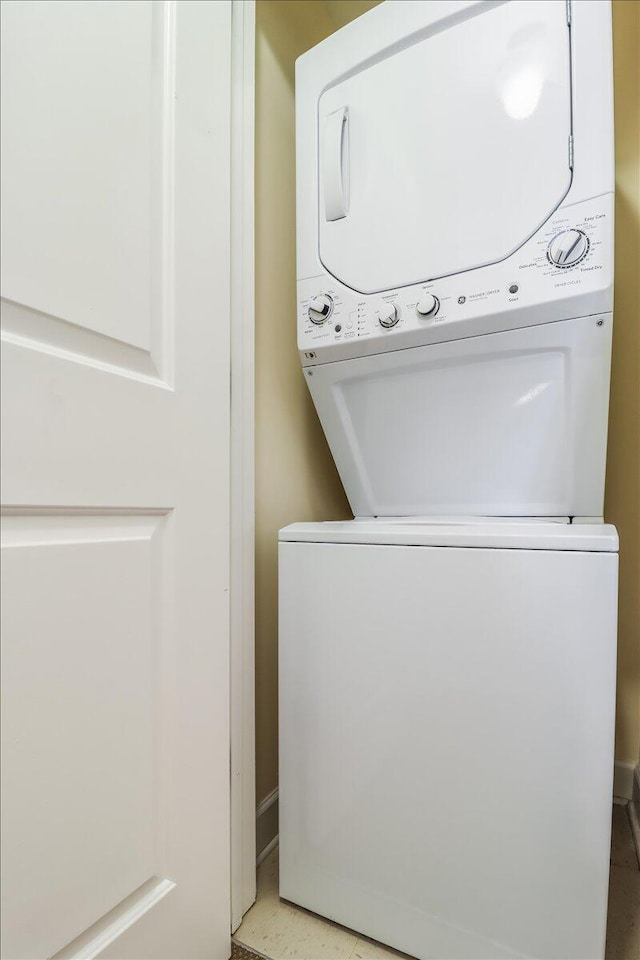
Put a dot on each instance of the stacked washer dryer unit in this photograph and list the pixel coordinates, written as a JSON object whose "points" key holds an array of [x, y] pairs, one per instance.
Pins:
{"points": [[447, 659]]}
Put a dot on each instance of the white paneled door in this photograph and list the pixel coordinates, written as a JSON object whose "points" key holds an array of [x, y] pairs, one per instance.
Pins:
{"points": [[115, 372]]}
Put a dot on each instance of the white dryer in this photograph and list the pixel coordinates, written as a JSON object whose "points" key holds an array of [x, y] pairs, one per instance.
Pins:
{"points": [[447, 659], [455, 202]]}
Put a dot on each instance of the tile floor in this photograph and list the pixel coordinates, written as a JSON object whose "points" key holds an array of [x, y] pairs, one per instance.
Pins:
{"points": [[623, 926], [276, 929]]}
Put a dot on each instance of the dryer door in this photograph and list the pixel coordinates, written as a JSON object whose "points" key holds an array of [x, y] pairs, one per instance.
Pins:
{"points": [[506, 424], [448, 154]]}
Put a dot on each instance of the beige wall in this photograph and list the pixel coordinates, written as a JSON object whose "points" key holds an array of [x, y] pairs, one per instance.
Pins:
{"points": [[622, 502], [295, 476]]}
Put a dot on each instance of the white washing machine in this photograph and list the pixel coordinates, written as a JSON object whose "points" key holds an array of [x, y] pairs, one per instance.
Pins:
{"points": [[447, 718], [447, 659]]}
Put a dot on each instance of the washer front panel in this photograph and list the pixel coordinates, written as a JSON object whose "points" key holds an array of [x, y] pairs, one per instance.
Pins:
{"points": [[507, 424], [429, 698]]}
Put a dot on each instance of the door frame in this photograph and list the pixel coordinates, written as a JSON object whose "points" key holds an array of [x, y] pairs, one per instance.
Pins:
{"points": [[242, 617]]}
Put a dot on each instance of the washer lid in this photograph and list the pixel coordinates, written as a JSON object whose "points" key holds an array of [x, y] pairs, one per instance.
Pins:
{"points": [[448, 154], [489, 533]]}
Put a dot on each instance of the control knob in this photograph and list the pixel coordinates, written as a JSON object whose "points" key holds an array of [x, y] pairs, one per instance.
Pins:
{"points": [[568, 248], [427, 305], [388, 315], [320, 308]]}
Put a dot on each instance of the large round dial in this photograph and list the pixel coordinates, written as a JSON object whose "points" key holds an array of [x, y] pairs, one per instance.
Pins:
{"points": [[427, 305], [320, 308], [568, 248], [388, 315]]}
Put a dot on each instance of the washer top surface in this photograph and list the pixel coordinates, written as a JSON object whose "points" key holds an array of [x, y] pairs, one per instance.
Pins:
{"points": [[490, 532]]}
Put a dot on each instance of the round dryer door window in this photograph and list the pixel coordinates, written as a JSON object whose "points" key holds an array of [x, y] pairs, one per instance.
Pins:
{"points": [[448, 154]]}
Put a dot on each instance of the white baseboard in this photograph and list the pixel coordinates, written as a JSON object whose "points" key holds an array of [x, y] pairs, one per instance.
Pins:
{"points": [[626, 785], [266, 825], [624, 773], [267, 850]]}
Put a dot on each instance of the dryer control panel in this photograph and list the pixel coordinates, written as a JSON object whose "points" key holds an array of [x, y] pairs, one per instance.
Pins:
{"points": [[563, 271]]}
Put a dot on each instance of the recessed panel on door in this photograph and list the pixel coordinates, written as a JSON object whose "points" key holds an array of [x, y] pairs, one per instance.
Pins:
{"points": [[80, 675], [83, 89], [447, 154]]}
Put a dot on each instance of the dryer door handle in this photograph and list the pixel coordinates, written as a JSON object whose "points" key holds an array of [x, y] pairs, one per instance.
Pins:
{"points": [[335, 163]]}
